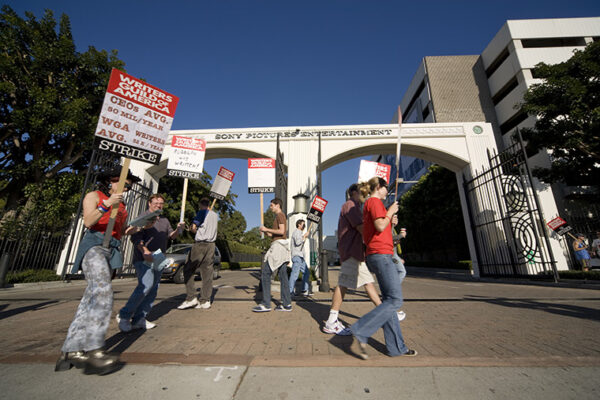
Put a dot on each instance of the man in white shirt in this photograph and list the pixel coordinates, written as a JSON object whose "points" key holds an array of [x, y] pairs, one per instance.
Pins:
{"points": [[298, 262], [202, 255]]}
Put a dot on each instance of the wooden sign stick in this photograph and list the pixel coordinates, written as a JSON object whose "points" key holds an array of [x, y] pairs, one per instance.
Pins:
{"points": [[115, 209], [183, 199], [213, 204], [262, 216]]}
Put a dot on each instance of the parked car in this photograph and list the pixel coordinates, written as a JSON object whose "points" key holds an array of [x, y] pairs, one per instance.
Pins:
{"points": [[177, 256]]}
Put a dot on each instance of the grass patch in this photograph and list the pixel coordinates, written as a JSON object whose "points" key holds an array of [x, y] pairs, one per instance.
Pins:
{"points": [[32, 275]]}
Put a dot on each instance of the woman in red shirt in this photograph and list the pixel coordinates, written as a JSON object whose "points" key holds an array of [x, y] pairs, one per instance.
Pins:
{"points": [[83, 347], [377, 235]]}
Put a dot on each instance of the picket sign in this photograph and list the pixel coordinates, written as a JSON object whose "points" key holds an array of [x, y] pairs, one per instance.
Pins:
{"points": [[134, 123]]}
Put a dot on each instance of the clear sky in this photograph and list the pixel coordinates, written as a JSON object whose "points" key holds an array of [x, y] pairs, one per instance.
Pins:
{"points": [[260, 63]]}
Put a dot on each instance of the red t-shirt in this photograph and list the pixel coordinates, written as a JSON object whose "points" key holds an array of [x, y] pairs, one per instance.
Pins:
{"points": [[377, 242], [100, 226]]}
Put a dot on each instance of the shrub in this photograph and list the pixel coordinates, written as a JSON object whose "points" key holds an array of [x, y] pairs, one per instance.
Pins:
{"points": [[240, 265], [32, 275]]}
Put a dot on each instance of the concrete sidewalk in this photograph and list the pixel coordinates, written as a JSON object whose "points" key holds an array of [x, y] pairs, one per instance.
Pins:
{"points": [[456, 325]]}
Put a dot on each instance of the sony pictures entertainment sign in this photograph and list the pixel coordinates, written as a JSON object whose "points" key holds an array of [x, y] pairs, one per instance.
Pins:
{"points": [[136, 118], [186, 158]]}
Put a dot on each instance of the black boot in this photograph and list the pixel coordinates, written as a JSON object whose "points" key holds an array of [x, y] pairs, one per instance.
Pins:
{"points": [[101, 363], [67, 360]]}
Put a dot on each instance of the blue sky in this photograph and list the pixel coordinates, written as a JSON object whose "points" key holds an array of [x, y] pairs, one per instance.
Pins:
{"points": [[242, 63]]}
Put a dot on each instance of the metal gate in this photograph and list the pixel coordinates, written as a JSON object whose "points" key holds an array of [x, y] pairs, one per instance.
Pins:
{"points": [[506, 219], [136, 200]]}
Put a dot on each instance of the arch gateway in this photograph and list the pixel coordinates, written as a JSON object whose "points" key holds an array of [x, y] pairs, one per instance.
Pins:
{"points": [[505, 230]]}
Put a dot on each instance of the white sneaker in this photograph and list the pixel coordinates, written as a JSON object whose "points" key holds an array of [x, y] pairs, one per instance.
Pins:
{"points": [[205, 305], [124, 324], [188, 304], [143, 324], [401, 315], [336, 328]]}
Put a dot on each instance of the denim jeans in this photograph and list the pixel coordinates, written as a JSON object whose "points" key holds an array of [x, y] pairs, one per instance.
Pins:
{"points": [[265, 278], [140, 301], [399, 265], [298, 264], [384, 315]]}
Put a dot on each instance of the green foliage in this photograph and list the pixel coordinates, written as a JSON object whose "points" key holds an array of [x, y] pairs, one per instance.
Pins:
{"points": [[252, 238], [172, 189], [240, 265], [431, 212], [32, 275], [567, 106], [579, 275], [232, 226], [238, 247], [50, 98]]}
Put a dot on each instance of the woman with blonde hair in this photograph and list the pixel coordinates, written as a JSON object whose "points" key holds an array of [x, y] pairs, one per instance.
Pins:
{"points": [[377, 236]]}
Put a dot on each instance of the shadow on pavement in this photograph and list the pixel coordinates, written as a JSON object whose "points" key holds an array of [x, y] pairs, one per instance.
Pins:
{"points": [[532, 304], [33, 307]]}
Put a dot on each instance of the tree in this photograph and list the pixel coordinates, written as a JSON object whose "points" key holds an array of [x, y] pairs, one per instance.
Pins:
{"points": [[431, 212], [172, 189], [567, 107], [50, 99], [232, 226]]}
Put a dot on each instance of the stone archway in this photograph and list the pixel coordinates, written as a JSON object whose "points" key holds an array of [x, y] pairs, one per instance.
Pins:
{"points": [[459, 147]]}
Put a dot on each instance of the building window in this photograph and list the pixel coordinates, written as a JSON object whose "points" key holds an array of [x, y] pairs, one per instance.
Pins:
{"points": [[513, 121], [425, 113], [505, 90], [416, 96], [497, 62], [553, 42]]}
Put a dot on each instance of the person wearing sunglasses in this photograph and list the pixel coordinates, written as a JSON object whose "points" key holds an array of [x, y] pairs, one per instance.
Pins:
{"points": [[84, 345]]}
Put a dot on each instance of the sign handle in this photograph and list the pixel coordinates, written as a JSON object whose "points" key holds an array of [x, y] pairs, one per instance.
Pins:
{"points": [[115, 210], [183, 199], [398, 151], [213, 204], [262, 216]]}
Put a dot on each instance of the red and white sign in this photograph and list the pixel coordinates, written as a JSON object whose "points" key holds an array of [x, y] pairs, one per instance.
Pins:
{"points": [[559, 226], [186, 158], [370, 169], [317, 209], [222, 183], [136, 118], [261, 175]]}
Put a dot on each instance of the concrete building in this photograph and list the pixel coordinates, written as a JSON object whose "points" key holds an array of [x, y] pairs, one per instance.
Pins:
{"points": [[489, 86]]}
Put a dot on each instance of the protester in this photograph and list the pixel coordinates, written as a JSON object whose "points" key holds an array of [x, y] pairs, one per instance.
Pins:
{"points": [[298, 262], [202, 256], [145, 243], [581, 253], [377, 235], [596, 245], [400, 263], [353, 272], [275, 259], [83, 347]]}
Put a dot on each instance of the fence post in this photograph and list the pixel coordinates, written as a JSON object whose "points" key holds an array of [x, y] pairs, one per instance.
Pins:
{"points": [[4, 262]]}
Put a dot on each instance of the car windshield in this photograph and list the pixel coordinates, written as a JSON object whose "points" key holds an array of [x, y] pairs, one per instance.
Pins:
{"points": [[178, 249]]}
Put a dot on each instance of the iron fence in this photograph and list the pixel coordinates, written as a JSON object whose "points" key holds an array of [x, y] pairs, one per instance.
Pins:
{"points": [[35, 250], [506, 220]]}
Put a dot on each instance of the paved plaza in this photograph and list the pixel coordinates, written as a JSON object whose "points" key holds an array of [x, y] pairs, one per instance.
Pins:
{"points": [[483, 335]]}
